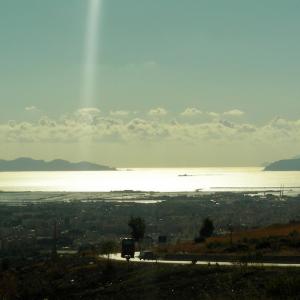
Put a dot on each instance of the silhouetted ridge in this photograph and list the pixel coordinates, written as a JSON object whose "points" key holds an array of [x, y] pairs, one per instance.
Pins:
{"points": [[284, 165], [29, 164]]}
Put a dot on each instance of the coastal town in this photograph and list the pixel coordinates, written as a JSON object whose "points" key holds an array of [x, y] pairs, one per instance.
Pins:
{"points": [[32, 224]]}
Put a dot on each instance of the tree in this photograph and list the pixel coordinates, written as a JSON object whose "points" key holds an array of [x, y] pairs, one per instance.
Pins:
{"points": [[138, 227], [108, 247], [207, 228]]}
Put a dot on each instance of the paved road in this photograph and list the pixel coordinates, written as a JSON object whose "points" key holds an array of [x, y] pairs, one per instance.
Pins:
{"points": [[220, 263]]}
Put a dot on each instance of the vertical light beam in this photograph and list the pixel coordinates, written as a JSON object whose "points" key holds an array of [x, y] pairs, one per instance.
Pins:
{"points": [[91, 53]]}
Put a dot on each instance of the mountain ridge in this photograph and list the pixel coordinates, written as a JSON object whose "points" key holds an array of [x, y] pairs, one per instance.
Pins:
{"points": [[23, 164], [284, 165]]}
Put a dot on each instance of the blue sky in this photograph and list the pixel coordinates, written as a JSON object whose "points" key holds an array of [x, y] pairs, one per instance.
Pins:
{"points": [[214, 56]]}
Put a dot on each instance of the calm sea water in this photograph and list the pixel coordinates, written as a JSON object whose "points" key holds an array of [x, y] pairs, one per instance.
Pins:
{"points": [[159, 180]]}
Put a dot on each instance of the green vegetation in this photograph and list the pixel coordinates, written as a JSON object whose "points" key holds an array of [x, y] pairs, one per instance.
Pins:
{"points": [[207, 228], [138, 227], [109, 247], [87, 278], [276, 243], [93, 226]]}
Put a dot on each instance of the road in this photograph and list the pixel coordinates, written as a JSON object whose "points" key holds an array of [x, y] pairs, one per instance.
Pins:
{"points": [[118, 257]]}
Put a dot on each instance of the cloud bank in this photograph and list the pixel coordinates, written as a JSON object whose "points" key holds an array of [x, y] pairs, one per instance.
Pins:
{"points": [[191, 111], [92, 125]]}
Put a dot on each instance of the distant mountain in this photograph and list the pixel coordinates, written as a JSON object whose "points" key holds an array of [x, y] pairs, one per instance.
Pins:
{"points": [[29, 164], [284, 165]]}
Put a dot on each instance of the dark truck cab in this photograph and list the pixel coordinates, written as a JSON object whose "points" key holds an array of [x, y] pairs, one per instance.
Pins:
{"points": [[128, 248]]}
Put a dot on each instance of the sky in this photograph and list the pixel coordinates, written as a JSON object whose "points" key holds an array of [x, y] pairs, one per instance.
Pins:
{"points": [[177, 83]]}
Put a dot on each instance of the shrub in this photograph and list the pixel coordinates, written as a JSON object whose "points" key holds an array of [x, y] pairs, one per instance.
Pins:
{"points": [[199, 239]]}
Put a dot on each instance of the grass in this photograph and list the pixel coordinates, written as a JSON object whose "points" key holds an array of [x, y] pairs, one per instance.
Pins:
{"points": [[278, 239], [117, 280]]}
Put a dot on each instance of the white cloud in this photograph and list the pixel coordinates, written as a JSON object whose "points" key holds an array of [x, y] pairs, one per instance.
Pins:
{"points": [[158, 112], [87, 115], [234, 113], [191, 111], [31, 108], [227, 124], [88, 124], [88, 111], [213, 114], [119, 113]]}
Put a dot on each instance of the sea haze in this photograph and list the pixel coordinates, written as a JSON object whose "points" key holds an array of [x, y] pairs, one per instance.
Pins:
{"points": [[158, 180]]}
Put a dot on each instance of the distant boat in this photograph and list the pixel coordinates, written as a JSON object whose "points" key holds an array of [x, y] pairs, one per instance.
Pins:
{"points": [[184, 175]]}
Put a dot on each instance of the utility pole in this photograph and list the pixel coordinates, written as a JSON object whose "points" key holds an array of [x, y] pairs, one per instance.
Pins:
{"points": [[281, 191]]}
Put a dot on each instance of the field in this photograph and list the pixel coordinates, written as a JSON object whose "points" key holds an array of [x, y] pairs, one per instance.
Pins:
{"points": [[277, 239]]}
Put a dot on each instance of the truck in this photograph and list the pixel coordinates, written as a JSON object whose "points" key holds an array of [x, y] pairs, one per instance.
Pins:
{"points": [[128, 248]]}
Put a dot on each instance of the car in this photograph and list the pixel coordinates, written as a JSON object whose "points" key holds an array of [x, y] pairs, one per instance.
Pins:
{"points": [[147, 255]]}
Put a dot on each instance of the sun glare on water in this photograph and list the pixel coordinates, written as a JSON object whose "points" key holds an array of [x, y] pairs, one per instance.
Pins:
{"points": [[159, 180]]}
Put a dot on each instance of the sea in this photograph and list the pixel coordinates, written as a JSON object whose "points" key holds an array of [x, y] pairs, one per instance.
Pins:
{"points": [[154, 180]]}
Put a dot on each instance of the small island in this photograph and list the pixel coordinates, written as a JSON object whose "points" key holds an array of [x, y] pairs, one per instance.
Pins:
{"points": [[25, 164], [284, 165]]}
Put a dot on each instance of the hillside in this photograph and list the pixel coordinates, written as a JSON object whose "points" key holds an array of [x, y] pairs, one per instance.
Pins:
{"points": [[284, 165], [277, 239], [88, 278], [29, 164]]}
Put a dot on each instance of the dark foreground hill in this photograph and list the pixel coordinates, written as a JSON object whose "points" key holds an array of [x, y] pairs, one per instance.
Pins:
{"points": [[284, 165], [87, 278], [29, 164]]}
